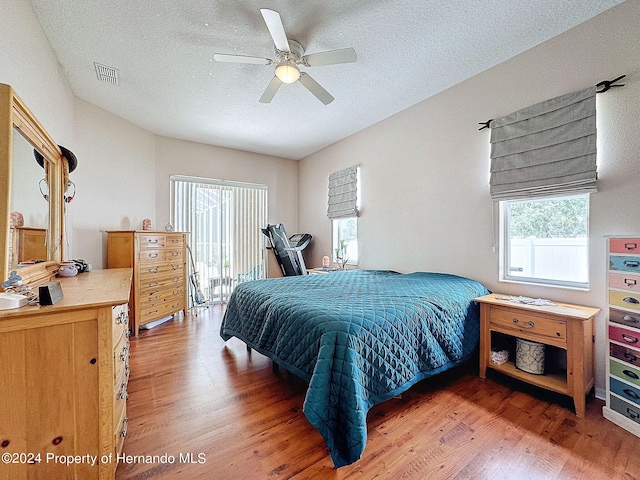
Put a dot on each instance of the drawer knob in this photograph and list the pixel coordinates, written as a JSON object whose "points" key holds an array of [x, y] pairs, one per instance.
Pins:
{"points": [[529, 324], [631, 374], [629, 338]]}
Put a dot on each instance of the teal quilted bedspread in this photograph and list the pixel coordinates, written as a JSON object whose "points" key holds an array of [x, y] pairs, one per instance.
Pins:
{"points": [[358, 337]]}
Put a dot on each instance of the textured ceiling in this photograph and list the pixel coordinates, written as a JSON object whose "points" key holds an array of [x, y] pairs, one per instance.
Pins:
{"points": [[408, 50]]}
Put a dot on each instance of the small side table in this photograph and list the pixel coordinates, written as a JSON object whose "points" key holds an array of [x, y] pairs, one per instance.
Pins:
{"points": [[564, 326]]}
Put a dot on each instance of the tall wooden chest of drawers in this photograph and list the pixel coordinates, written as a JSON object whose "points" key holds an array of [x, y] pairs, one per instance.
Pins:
{"points": [[623, 329], [158, 260]]}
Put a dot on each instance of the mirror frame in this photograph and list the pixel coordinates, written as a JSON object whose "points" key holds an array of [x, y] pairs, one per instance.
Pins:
{"points": [[15, 116]]}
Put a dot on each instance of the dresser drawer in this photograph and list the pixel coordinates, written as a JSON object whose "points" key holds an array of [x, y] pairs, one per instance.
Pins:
{"points": [[625, 354], [624, 263], [152, 255], [148, 240], [630, 374], [624, 318], [624, 245], [627, 409], [624, 390], [157, 270], [624, 299], [152, 285], [172, 254], [175, 240], [512, 319], [624, 335], [624, 282]]}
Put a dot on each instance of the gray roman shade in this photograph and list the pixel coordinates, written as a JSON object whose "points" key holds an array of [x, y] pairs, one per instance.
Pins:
{"points": [[545, 149], [343, 193]]}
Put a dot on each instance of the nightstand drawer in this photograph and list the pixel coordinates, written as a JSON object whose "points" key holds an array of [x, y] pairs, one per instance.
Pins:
{"points": [[512, 319], [624, 245]]}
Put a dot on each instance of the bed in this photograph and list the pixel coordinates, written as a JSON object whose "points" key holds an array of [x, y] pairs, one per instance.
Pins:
{"points": [[357, 337]]}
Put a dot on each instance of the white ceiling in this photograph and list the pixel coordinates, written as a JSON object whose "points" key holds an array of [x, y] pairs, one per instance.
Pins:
{"points": [[408, 50]]}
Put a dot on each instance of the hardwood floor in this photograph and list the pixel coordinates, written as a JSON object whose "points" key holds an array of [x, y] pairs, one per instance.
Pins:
{"points": [[217, 411]]}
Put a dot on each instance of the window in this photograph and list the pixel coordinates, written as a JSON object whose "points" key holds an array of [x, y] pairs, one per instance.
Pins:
{"points": [[545, 241], [224, 221], [345, 230]]}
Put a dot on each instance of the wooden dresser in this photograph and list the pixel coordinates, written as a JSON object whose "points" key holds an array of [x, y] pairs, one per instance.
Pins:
{"points": [[623, 330], [64, 380], [158, 260], [563, 327]]}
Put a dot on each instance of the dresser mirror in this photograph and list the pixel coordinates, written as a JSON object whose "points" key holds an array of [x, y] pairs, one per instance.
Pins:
{"points": [[24, 183]]}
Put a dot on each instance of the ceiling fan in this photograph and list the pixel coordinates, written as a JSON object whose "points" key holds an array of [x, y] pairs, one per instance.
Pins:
{"points": [[288, 55]]}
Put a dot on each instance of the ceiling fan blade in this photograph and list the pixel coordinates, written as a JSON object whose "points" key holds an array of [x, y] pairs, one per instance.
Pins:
{"points": [[315, 88], [223, 57], [332, 57], [276, 29], [271, 90]]}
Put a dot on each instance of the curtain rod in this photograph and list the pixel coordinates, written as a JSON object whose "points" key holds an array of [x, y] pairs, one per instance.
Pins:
{"points": [[601, 87]]}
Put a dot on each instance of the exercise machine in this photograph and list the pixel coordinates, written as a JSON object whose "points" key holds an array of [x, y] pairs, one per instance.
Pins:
{"points": [[287, 250]]}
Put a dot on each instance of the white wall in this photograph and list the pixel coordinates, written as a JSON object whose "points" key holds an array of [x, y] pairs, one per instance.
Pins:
{"points": [[425, 171]]}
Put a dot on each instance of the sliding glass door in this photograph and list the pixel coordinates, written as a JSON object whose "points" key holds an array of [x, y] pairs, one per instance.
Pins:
{"points": [[224, 221]]}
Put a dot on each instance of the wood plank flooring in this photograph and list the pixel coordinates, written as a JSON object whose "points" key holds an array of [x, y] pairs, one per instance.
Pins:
{"points": [[217, 411]]}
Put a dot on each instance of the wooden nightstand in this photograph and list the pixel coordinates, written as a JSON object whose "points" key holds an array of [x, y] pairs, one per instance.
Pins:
{"points": [[564, 327]]}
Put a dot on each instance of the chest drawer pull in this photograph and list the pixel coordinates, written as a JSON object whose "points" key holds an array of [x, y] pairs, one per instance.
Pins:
{"points": [[632, 358], [153, 270], [152, 255], [630, 282], [630, 246], [630, 300], [631, 393], [631, 263], [125, 423], [630, 319], [632, 413], [629, 338], [152, 242], [529, 324], [176, 267], [631, 374]]}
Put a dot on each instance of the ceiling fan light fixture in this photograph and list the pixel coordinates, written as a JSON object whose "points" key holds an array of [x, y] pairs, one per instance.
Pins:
{"points": [[287, 72]]}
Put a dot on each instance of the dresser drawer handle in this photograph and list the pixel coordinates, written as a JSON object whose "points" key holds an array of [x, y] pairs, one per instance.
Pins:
{"points": [[153, 299], [629, 356], [152, 255], [631, 263], [630, 282], [176, 267], [153, 284], [630, 246], [176, 254], [176, 280], [529, 324], [630, 300], [630, 319], [175, 305], [629, 338], [153, 242], [175, 240], [632, 413], [125, 423], [631, 393], [631, 374], [153, 270]]}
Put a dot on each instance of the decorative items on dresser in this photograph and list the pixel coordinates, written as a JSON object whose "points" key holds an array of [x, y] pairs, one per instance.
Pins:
{"points": [[623, 329], [64, 380], [520, 329], [158, 260]]}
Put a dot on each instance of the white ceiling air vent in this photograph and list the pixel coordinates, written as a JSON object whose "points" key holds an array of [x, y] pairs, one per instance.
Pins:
{"points": [[107, 74]]}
